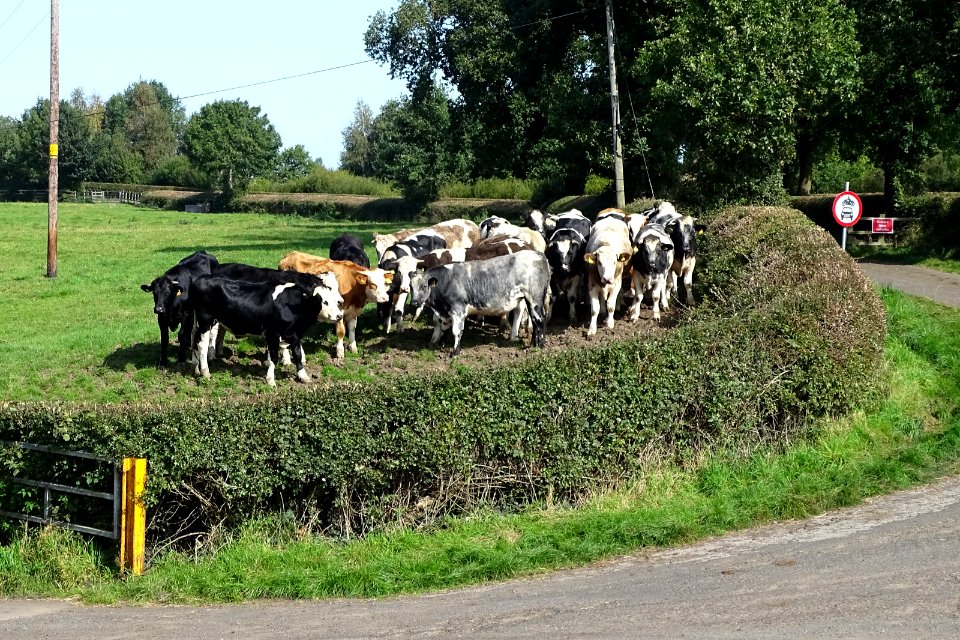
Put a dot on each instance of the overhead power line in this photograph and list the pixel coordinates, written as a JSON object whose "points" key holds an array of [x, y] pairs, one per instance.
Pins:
{"points": [[11, 13], [39, 22]]}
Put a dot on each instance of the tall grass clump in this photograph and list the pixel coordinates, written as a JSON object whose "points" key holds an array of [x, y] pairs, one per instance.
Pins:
{"points": [[51, 561], [323, 180], [491, 189]]}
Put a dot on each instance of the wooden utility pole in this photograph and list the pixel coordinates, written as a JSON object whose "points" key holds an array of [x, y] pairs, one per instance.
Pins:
{"points": [[53, 187], [615, 108]]}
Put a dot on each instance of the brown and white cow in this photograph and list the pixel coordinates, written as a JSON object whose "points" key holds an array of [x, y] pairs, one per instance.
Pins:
{"points": [[358, 286], [495, 226], [458, 233], [607, 252]]}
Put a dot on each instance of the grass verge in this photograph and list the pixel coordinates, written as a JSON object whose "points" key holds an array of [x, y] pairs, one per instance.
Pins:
{"points": [[910, 437]]}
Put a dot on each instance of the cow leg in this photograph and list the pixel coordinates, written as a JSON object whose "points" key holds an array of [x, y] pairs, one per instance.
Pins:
{"points": [[298, 353], [352, 334], [638, 287], [664, 284], [202, 347], [184, 337], [457, 325], [164, 340], [688, 281], [572, 288], [285, 352], [439, 326], [659, 284], [594, 312], [273, 355], [611, 301], [517, 318], [341, 332], [398, 309]]}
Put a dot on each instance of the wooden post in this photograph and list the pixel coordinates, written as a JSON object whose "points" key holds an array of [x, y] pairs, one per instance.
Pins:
{"points": [[53, 186], [133, 516], [615, 108]]}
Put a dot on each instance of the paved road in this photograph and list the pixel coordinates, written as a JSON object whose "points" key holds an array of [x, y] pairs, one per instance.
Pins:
{"points": [[889, 567], [919, 281]]}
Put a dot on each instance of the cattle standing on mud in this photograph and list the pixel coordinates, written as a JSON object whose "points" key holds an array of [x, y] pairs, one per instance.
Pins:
{"points": [[357, 287], [491, 287], [401, 258], [278, 312], [565, 251], [651, 263], [608, 250], [684, 237], [171, 301]]}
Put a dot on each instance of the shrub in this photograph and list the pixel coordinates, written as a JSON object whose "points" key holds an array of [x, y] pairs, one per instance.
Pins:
{"points": [[805, 341]]}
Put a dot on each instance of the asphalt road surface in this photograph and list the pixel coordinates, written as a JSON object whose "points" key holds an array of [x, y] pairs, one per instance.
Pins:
{"points": [[887, 568]]}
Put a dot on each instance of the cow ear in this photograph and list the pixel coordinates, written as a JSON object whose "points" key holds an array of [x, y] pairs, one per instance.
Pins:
{"points": [[388, 277], [589, 258], [362, 278], [146, 288], [623, 257], [432, 282]]}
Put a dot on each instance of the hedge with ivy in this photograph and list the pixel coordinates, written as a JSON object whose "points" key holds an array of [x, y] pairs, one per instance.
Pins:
{"points": [[789, 330]]}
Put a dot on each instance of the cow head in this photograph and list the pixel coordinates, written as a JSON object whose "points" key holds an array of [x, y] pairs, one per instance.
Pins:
{"points": [[562, 254], [489, 226], [420, 289], [167, 294], [406, 267], [327, 289], [684, 236], [608, 263], [376, 284], [654, 249]]}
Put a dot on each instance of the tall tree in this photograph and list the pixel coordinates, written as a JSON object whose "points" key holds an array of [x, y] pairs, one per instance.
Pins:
{"points": [[149, 127], [294, 162], [909, 82], [356, 141], [233, 142], [77, 149]]}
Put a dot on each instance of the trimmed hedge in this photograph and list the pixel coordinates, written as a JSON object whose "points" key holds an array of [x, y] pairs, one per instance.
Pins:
{"points": [[789, 330]]}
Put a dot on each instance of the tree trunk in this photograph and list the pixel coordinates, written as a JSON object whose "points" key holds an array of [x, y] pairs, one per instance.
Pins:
{"points": [[889, 193], [804, 163]]}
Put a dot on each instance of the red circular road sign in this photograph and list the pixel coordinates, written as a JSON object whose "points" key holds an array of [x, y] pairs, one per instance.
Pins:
{"points": [[847, 208]]}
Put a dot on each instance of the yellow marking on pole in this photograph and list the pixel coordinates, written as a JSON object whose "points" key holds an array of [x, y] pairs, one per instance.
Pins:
{"points": [[133, 516], [54, 150]]}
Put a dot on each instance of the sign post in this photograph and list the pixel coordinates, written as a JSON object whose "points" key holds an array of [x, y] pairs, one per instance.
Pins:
{"points": [[847, 209]]}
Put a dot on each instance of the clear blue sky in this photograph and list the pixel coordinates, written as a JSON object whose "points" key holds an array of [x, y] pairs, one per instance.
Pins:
{"points": [[202, 46]]}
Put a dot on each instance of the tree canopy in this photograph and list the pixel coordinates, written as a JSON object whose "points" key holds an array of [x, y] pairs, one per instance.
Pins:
{"points": [[233, 143]]}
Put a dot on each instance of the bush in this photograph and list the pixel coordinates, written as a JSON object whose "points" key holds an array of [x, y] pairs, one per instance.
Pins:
{"points": [[322, 180], [491, 189], [831, 175], [596, 185], [805, 341]]}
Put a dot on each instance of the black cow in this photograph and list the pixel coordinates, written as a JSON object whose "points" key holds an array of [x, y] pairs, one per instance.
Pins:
{"points": [[565, 250], [683, 233], [492, 287], [171, 295], [348, 247], [278, 312]]}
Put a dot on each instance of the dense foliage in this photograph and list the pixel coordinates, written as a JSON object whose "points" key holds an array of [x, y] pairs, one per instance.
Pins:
{"points": [[805, 340]]}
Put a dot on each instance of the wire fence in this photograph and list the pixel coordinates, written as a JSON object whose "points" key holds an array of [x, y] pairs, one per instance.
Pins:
{"points": [[40, 195]]}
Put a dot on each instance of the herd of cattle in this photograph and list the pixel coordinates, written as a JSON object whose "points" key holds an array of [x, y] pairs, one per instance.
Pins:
{"points": [[455, 269]]}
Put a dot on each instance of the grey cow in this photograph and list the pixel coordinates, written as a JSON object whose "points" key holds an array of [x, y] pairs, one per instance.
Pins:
{"points": [[491, 287]]}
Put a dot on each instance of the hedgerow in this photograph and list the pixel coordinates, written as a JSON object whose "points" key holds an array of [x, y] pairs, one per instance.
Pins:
{"points": [[788, 330]]}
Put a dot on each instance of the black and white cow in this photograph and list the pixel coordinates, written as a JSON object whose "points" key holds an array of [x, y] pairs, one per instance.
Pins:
{"points": [[278, 312], [651, 262], [171, 295], [408, 251], [348, 247], [565, 250], [683, 233], [492, 287]]}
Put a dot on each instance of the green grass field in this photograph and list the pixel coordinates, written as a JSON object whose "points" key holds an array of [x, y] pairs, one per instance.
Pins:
{"points": [[90, 333]]}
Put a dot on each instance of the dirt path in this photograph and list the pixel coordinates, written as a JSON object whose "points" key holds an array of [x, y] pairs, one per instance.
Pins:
{"points": [[918, 281]]}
